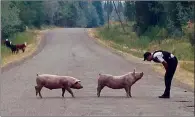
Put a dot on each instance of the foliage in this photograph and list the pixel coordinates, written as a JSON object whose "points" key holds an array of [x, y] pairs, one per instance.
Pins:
{"points": [[9, 18], [99, 9], [129, 10], [17, 15], [170, 15]]}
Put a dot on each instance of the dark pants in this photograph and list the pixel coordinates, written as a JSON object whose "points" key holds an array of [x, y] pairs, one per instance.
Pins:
{"points": [[172, 65]]}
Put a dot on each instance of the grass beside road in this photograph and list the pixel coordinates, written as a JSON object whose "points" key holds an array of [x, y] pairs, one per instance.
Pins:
{"points": [[129, 43], [32, 37]]}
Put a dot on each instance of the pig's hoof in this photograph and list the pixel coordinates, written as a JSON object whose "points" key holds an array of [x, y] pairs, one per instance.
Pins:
{"points": [[128, 96], [98, 95]]}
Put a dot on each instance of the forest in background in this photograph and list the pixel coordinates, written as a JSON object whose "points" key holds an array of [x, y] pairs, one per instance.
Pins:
{"points": [[164, 18], [17, 15]]}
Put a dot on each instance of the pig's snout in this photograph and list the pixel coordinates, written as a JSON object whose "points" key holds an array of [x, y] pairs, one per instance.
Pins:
{"points": [[77, 86], [142, 74], [139, 75]]}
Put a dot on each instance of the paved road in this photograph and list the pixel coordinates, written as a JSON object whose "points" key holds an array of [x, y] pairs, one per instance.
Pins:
{"points": [[72, 52]]}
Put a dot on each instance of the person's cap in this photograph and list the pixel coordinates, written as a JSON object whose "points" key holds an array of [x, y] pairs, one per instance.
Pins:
{"points": [[146, 54]]}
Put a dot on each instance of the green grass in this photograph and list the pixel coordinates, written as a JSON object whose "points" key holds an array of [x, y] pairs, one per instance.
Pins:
{"points": [[121, 39], [4, 51], [188, 66], [135, 45], [181, 48], [18, 39]]}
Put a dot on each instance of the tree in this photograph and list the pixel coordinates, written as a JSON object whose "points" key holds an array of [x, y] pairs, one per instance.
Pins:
{"points": [[172, 22], [39, 18], [108, 8], [66, 15], [50, 8], [129, 10], [147, 14], [92, 16], [81, 20], [99, 9], [120, 9], [31, 13], [9, 18], [119, 16], [143, 16]]}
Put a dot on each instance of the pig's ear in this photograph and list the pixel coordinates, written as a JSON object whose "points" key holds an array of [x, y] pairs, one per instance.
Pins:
{"points": [[133, 72], [77, 81]]}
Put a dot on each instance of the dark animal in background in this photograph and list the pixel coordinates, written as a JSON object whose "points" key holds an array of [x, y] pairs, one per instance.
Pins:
{"points": [[13, 48], [7, 43], [21, 46]]}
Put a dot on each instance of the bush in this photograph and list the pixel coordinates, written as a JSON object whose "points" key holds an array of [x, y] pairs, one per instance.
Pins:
{"points": [[152, 33], [191, 38], [142, 42], [177, 33], [163, 33]]}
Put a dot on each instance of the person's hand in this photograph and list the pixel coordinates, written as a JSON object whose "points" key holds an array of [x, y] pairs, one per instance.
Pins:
{"points": [[165, 65]]}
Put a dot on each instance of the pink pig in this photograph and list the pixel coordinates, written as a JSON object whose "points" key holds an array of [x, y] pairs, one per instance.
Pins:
{"points": [[118, 82], [55, 82]]}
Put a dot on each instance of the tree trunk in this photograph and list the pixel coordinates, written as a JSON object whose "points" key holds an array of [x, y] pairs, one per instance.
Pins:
{"points": [[108, 19], [108, 15], [119, 17]]}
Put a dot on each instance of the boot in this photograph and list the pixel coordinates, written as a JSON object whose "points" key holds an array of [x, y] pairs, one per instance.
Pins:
{"points": [[165, 95]]}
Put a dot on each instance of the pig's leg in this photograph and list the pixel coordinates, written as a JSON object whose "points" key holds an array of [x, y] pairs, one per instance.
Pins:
{"points": [[36, 89], [39, 90], [63, 91], [130, 91], [99, 88], [127, 91], [70, 91]]}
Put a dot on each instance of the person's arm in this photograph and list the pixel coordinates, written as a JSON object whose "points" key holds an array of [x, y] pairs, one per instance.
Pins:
{"points": [[160, 58], [165, 65]]}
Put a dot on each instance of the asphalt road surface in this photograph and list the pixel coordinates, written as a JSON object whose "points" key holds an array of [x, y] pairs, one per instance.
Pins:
{"points": [[72, 52]]}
